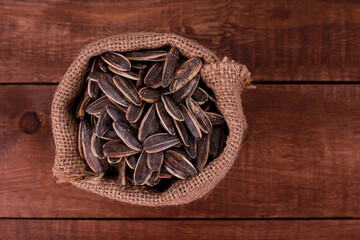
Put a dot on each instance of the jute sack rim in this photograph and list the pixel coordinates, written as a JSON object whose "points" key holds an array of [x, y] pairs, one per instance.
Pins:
{"points": [[226, 78]]}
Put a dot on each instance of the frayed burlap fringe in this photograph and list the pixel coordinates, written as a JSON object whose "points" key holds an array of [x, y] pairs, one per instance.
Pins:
{"points": [[226, 78]]}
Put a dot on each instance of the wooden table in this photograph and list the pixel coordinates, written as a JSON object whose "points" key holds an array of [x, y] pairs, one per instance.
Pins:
{"points": [[297, 176]]}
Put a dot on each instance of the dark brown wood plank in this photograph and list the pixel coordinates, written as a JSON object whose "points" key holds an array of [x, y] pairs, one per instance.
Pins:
{"points": [[278, 40], [195, 229], [300, 160]]}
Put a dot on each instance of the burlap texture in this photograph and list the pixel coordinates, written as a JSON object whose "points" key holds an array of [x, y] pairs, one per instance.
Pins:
{"points": [[226, 78]]}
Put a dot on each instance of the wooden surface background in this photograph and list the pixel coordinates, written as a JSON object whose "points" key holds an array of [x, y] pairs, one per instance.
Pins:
{"points": [[297, 176]]}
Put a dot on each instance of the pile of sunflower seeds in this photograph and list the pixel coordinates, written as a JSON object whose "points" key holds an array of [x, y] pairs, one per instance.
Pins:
{"points": [[146, 116]]}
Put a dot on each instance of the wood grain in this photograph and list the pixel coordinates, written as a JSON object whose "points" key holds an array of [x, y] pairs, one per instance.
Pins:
{"points": [[195, 229], [300, 160], [278, 40]]}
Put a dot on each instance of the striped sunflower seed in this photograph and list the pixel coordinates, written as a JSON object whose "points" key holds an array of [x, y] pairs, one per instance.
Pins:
{"points": [[164, 173], [187, 90], [80, 146], [93, 89], [191, 122], [117, 149], [131, 161], [134, 112], [171, 62], [142, 172], [103, 66], [96, 146], [185, 73], [203, 150], [121, 169], [217, 140], [110, 135], [160, 142], [111, 91], [138, 65], [84, 101], [165, 119], [126, 74], [178, 164], [149, 95], [116, 60], [127, 89], [96, 165], [154, 178], [172, 109], [200, 96], [183, 132], [128, 135], [149, 124], [103, 124], [116, 114], [215, 118], [96, 107], [155, 160], [140, 83], [153, 77], [200, 115], [150, 55], [191, 150]]}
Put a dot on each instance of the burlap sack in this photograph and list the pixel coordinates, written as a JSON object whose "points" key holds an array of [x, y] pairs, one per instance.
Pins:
{"points": [[227, 80]]}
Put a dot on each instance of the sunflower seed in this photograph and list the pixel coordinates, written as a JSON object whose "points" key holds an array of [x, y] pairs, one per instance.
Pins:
{"points": [[127, 89], [95, 65], [127, 135], [110, 135], [111, 91], [217, 140], [176, 163], [200, 115], [80, 111], [121, 169], [203, 149], [80, 146], [183, 132], [113, 160], [215, 118], [140, 82], [185, 73], [149, 124], [159, 142], [116, 114], [116, 60], [96, 165], [149, 95], [125, 74], [93, 89], [138, 65], [94, 76], [191, 122], [142, 172], [103, 66], [172, 109], [96, 146], [165, 120], [153, 77], [97, 106], [154, 178], [200, 96], [171, 61], [155, 160], [131, 161], [93, 120], [191, 150], [134, 112], [164, 173], [117, 149], [151, 183], [103, 124], [146, 55], [187, 90]]}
